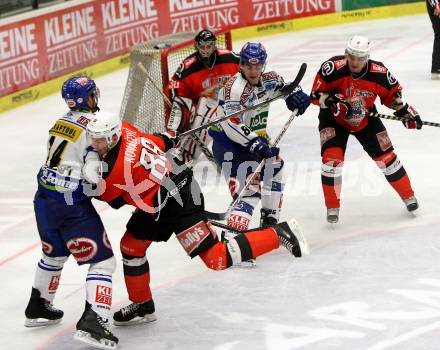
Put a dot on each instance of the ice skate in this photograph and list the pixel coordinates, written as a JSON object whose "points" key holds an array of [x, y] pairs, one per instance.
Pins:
{"points": [[92, 330], [292, 238], [411, 204], [40, 312], [135, 314], [332, 215]]}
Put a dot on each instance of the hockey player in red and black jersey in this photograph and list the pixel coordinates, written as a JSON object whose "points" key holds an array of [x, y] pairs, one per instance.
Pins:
{"points": [[193, 89], [345, 89], [167, 200]]}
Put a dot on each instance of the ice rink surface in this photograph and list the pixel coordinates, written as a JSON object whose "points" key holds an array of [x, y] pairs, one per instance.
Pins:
{"points": [[371, 283]]}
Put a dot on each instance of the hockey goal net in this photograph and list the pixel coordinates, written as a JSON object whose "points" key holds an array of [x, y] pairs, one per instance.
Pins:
{"points": [[143, 104]]}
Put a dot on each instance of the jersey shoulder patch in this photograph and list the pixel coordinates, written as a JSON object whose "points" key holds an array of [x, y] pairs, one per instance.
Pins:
{"points": [[381, 74]]}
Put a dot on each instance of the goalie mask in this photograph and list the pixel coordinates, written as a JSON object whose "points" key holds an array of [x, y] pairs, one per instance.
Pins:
{"points": [[77, 91], [105, 127], [205, 44]]}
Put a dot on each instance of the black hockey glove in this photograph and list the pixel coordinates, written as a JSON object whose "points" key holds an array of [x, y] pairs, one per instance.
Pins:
{"points": [[411, 119], [260, 147], [169, 137], [339, 107], [298, 99]]}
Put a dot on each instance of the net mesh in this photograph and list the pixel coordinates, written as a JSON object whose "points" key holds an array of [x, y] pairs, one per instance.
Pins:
{"points": [[143, 103]]}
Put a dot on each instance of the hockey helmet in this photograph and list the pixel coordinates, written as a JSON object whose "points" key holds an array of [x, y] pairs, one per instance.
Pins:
{"points": [[105, 125], [358, 46], [205, 43], [76, 91], [253, 53]]}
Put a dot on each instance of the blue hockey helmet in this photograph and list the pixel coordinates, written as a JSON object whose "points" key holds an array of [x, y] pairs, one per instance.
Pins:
{"points": [[77, 90], [253, 53]]}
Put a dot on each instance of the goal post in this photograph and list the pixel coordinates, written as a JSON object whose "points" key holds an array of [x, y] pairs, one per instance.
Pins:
{"points": [[143, 103]]}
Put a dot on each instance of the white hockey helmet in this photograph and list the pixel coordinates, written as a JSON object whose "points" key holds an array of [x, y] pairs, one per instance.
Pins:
{"points": [[105, 125], [358, 46]]}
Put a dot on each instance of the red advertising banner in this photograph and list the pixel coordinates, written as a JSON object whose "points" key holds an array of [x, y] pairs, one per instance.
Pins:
{"points": [[57, 43]]}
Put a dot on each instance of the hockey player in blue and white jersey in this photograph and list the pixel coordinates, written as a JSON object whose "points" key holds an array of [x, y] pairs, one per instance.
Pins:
{"points": [[68, 223], [240, 143]]}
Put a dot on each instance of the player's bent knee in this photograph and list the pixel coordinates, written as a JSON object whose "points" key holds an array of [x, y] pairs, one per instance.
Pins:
{"points": [[104, 267], [333, 155], [132, 246]]}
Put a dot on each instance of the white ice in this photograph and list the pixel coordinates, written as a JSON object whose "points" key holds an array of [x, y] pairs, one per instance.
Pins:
{"points": [[372, 282]]}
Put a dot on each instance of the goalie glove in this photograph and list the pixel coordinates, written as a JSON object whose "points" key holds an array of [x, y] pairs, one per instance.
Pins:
{"points": [[180, 115], [411, 119]]}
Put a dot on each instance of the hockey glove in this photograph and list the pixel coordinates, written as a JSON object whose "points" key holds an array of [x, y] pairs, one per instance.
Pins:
{"points": [[411, 119], [339, 107], [298, 99], [169, 137], [260, 147]]}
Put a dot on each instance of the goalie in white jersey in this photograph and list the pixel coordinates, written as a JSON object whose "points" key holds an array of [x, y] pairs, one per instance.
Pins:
{"points": [[241, 142], [67, 222]]}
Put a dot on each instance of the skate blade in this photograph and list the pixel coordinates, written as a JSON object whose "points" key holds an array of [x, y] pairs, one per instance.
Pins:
{"points": [[40, 322], [137, 320], [87, 338], [299, 234], [249, 264]]}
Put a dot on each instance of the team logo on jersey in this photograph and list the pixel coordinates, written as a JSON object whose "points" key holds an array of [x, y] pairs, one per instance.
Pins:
{"points": [[327, 68], [391, 79], [82, 248], [384, 140]]}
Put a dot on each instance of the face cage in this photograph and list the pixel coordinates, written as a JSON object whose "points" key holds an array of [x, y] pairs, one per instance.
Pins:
{"points": [[212, 44]]}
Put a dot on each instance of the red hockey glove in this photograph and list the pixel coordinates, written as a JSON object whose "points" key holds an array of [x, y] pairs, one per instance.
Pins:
{"points": [[340, 107], [411, 119]]}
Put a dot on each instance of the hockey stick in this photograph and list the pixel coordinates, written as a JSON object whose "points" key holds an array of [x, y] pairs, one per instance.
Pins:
{"points": [[393, 117], [286, 90], [205, 150]]}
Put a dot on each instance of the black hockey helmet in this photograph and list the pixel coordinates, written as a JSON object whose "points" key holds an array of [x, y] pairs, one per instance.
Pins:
{"points": [[205, 43]]}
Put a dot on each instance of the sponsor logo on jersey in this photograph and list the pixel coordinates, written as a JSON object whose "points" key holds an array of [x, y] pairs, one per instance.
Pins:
{"points": [[54, 283], [82, 248], [51, 180], [47, 247], [83, 121], [327, 68], [66, 130], [259, 121], [103, 295], [106, 241], [340, 63], [375, 68], [384, 140], [238, 221], [191, 238], [326, 134]]}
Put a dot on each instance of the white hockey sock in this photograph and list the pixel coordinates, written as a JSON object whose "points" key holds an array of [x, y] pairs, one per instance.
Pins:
{"points": [[47, 276], [99, 286]]}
